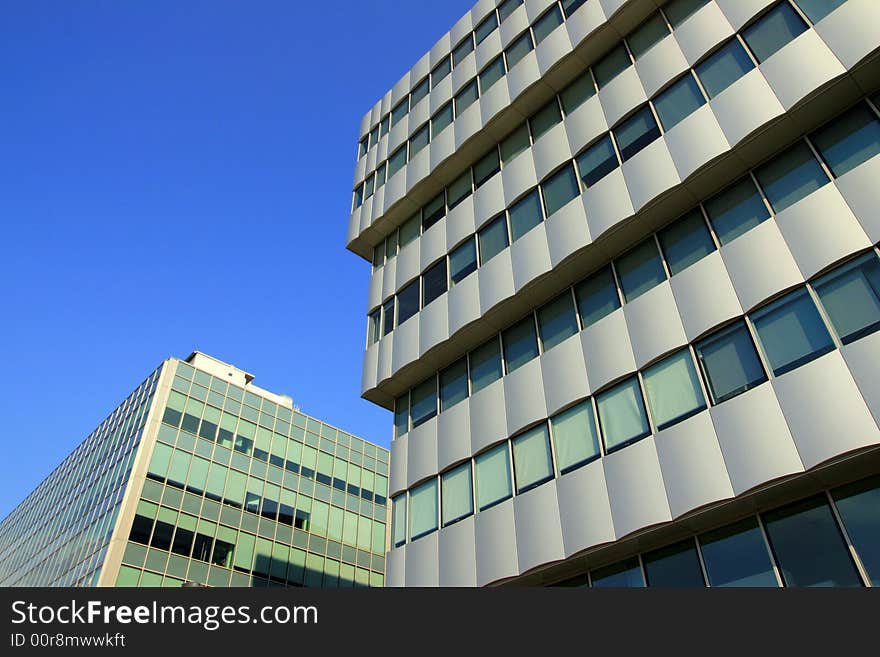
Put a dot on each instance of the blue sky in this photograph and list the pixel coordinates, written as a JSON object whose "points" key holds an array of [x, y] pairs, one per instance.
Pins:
{"points": [[176, 175]]}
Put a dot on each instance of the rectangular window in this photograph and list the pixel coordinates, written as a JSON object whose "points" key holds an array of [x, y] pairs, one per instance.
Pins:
{"points": [[636, 132], [791, 176], [457, 494], [737, 209], [515, 143], [398, 520], [611, 65], [441, 119], [791, 332], [597, 161], [368, 185], [410, 230], [773, 30], [380, 176], [507, 7], [640, 270], [374, 326], [434, 282], [486, 167], [857, 505], [466, 97], [675, 566], [493, 239], [578, 92], [547, 23], [423, 509], [625, 574], [729, 363], [532, 464], [492, 474], [419, 91], [560, 188], [408, 302], [622, 414], [724, 67], [736, 555], [463, 261], [544, 119], [557, 320], [433, 211], [521, 47], [359, 196], [423, 402], [673, 390], [597, 296], [678, 11], [485, 363], [571, 6], [849, 140], [459, 189], [486, 27], [492, 73], [816, 10], [851, 296], [648, 34], [391, 246], [400, 110], [575, 438], [440, 71], [364, 144], [396, 161], [453, 384], [679, 101], [419, 140], [520, 343], [378, 256], [401, 415], [384, 125], [525, 214], [462, 50], [808, 545], [686, 241]]}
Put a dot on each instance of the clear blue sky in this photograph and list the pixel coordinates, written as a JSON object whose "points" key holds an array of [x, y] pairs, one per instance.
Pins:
{"points": [[176, 175]]}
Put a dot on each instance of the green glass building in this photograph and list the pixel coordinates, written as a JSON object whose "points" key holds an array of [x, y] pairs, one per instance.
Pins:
{"points": [[200, 476]]}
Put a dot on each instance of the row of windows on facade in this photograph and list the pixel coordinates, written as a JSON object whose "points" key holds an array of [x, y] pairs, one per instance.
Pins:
{"points": [[827, 540], [790, 332], [715, 71]]}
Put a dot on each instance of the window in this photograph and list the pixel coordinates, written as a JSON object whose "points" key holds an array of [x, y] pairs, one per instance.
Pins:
{"points": [[679, 101], [545, 118], [493, 239], [380, 175], [578, 92], [791, 332], [368, 186], [626, 574], [611, 65], [485, 365], [374, 326], [636, 132], [678, 11], [686, 241], [457, 494], [773, 30], [492, 475], [440, 71], [462, 50], [675, 566], [400, 110], [378, 256], [486, 28], [359, 196], [791, 176], [408, 302], [808, 545], [396, 161], [462, 261], [729, 363], [532, 465], [507, 7], [816, 10], [401, 415], [622, 414], [737, 209], [597, 161], [547, 23], [851, 297], [516, 143], [492, 73], [453, 384], [849, 140], [724, 67], [364, 143], [410, 230], [419, 92], [391, 246], [419, 140], [575, 439], [673, 390], [519, 49], [597, 296], [525, 214], [520, 343], [857, 505], [557, 320], [434, 282], [459, 189], [571, 6], [441, 119], [383, 126], [648, 34], [736, 555], [559, 189], [640, 270], [423, 509], [423, 402], [466, 97], [434, 211], [486, 167]]}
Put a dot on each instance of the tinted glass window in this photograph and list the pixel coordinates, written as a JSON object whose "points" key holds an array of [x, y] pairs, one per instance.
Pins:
{"points": [[857, 505], [597, 161], [640, 270], [462, 50], [434, 211], [441, 119], [544, 119], [557, 320], [456, 494], [622, 414], [737, 555], [559, 189], [396, 161], [434, 283], [675, 566], [721, 69], [516, 143], [485, 365], [737, 209], [401, 415], [492, 73], [408, 302], [507, 7], [532, 465], [388, 316], [611, 65], [773, 30], [493, 239], [398, 520], [571, 6], [547, 23], [525, 214], [597, 296], [636, 132], [423, 509], [851, 297], [453, 384], [410, 230], [673, 389], [486, 28], [816, 10], [729, 363], [791, 176], [400, 110], [575, 438], [686, 241], [463, 261], [647, 34], [578, 92], [419, 92], [518, 49], [520, 344], [419, 140], [678, 11], [459, 189], [466, 97], [492, 474], [679, 101], [849, 140], [440, 71], [487, 167], [423, 402], [626, 574]]}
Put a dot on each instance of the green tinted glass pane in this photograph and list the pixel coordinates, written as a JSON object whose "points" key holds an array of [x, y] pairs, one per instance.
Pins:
{"points": [[575, 438]]}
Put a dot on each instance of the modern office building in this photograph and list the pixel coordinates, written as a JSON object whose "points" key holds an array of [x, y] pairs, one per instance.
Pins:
{"points": [[200, 476], [625, 294]]}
